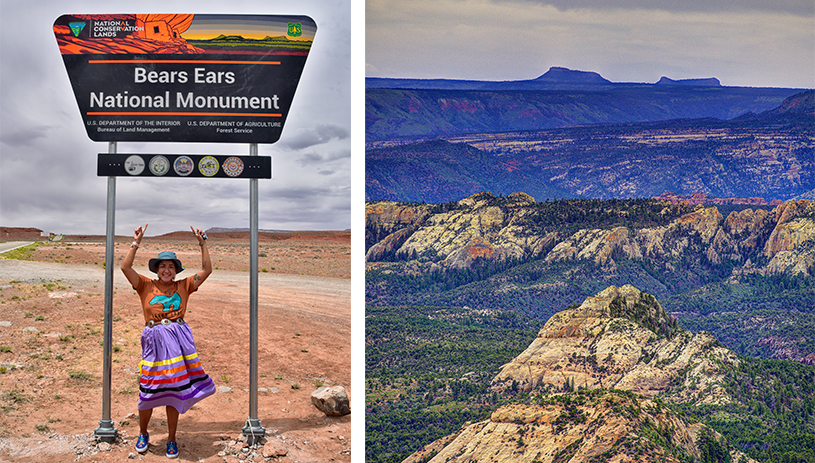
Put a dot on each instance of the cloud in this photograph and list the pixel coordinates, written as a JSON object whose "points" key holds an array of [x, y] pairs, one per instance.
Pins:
{"points": [[794, 7], [314, 158], [629, 42], [48, 165], [311, 136]]}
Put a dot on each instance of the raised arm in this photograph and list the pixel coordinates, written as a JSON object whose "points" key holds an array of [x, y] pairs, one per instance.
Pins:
{"points": [[206, 263], [127, 263]]}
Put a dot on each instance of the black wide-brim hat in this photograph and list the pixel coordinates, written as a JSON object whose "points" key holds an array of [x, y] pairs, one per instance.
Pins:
{"points": [[165, 255]]}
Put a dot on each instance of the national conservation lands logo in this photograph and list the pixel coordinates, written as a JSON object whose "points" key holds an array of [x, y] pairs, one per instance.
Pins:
{"points": [[111, 29], [114, 28], [76, 28]]}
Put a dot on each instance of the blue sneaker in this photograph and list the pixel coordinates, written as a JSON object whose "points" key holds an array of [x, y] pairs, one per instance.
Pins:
{"points": [[142, 443], [172, 449]]}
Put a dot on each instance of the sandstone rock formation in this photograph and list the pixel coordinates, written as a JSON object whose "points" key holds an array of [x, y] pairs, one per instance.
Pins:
{"points": [[621, 338], [483, 226], [598, 377], [590, 426]]}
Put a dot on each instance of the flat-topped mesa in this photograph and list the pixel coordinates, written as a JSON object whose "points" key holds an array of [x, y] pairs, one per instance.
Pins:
{"points": [[564, 75], [703, 82], [621, 338]]}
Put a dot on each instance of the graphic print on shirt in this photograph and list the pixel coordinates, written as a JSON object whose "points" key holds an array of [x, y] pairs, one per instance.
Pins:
{"points": [[170, 303]]}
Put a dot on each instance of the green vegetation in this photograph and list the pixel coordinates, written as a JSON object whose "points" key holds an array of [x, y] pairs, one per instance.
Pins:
{"points": [[79, 375], [774, 419], [428, 371], [647, 313], [23, 253]]}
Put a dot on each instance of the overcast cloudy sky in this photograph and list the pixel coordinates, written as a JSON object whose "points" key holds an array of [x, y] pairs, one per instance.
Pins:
{"points": [[742, 42], [48, 164]]}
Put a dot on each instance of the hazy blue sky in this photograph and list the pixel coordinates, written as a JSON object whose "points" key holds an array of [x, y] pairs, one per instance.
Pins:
{"points": [[48, 165], [743, 43]]}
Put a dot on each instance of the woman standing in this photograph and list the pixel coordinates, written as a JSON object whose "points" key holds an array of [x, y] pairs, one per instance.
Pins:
{"points": [[171, 373]]}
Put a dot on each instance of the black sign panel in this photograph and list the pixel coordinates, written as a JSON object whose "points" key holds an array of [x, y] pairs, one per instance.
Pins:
{"points": [[184, 77], [183, 165]]}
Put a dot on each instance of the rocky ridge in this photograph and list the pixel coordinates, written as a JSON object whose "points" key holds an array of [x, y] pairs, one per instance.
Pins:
{"points": [[598, 377], [621, 338], [486, 227]]}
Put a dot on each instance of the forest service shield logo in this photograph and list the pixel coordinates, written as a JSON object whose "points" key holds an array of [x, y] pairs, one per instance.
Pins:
{"points": [[295, 30]]}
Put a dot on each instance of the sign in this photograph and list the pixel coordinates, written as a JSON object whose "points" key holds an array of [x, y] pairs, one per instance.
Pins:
{"points": [[184, 77], [183, 165]]}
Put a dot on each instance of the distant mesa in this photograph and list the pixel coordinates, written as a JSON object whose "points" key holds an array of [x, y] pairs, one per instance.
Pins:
{"points": [[564, 75], [706, 82]]}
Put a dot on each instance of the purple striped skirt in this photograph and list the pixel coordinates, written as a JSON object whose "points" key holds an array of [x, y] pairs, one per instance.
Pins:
{"points": [[171, 373]]}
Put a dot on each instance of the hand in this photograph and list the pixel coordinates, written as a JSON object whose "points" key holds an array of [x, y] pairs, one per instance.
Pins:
{"points": [[138, 234], [199, 234]]}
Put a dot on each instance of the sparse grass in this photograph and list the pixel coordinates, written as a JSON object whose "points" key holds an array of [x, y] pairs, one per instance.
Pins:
{"points": [[319, 383], [295, 385], [5, 348], [278, 377], [15, 396], [79, 375], [226, 378]]}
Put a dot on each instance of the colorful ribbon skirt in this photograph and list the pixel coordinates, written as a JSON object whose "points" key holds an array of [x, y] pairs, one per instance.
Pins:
{"points": [[171, 373]]}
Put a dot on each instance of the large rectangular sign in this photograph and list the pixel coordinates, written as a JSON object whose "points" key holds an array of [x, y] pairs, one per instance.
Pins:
{"points": [[184, 77], [183, 165]]}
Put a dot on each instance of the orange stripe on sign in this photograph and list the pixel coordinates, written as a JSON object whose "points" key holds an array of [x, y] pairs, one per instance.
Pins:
{"points": [[182, 114], [125, 61]]}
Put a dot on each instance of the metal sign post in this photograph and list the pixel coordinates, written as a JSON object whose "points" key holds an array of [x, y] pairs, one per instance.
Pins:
{"points": [[106, 432], [253, 431]]}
